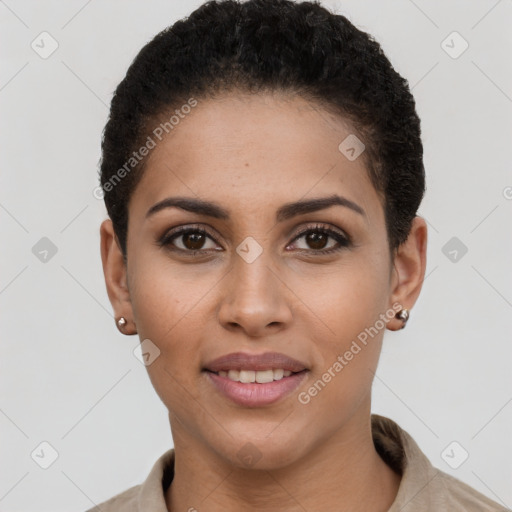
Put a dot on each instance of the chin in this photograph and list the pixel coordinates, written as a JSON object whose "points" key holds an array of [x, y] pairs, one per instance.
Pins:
{"points": [[262, 453]]}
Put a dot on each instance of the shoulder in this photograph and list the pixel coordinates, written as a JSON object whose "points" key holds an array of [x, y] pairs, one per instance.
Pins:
{"points": [[148, 496], [458, 496], [125, 501], [424, 487]]}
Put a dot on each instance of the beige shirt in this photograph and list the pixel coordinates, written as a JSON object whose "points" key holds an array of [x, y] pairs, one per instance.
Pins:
{"points": [[423, 487]]}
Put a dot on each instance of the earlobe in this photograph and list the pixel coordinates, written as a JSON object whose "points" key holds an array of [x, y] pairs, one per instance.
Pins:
{"points": [[115, 273], [409, 269]]}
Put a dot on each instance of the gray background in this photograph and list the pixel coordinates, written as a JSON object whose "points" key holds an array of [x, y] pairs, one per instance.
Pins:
{"points": [[69, 378]]}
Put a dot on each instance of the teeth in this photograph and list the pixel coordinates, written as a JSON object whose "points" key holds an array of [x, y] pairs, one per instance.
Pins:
{"points": [[262, 376], [247, 376], [278, 374]]}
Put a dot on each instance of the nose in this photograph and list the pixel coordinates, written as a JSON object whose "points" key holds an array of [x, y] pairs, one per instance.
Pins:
{"points": [[256, 300]]}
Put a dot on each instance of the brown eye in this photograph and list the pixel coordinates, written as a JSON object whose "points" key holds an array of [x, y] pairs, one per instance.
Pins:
{"points": [[193, 241], [316, 240], [188, 240]]}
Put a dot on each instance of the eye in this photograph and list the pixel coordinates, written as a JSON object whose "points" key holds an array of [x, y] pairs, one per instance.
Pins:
{"points": [[188, 239], [193, 240], [317, 238]]}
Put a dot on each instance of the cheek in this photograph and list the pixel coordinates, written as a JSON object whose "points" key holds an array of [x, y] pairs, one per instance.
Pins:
{"points": [[347, 298], [168, 310], [166, 297], [352, 306], [347, 362]]}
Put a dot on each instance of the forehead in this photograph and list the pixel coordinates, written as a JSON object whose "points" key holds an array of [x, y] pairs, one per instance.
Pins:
{"points": [[253, 151]]}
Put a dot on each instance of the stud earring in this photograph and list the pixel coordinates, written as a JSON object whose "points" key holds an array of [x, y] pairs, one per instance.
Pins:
{"points": [[121, 322], [403, 315]]}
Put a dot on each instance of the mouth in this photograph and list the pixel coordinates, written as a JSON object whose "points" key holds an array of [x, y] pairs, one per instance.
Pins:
{"points": [[256, 376], [262, 364], [255, 380]]}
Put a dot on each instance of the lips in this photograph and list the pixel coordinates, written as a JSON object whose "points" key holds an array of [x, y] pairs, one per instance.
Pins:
{"points": [[242, 361]]}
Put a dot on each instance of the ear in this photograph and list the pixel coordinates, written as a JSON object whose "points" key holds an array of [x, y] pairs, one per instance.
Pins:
{"points": [[115, 272], [408, 272]]}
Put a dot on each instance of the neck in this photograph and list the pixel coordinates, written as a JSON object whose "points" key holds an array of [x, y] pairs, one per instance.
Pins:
{"points": [[344, 473]]}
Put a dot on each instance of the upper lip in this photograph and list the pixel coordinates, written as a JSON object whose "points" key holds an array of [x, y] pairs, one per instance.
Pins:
{"points": [[245, 361]]}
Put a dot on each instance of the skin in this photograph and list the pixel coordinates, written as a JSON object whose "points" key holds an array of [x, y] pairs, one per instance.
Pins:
{"points": [[315, 456]]}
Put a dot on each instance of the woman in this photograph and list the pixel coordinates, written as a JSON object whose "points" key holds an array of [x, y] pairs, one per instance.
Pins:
{"points": [[262, 169]]}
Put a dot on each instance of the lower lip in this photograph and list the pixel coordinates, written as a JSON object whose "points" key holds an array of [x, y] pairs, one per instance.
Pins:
{"points": [[254, 394]]}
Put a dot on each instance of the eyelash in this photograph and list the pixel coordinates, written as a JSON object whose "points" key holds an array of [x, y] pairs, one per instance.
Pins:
{"points": [[343, 240]]}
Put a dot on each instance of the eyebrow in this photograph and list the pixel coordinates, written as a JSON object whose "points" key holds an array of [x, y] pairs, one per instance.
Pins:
{"points": [[285, 212]]}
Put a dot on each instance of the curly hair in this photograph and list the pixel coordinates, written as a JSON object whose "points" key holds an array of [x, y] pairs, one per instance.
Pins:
{"points": [[262, 46]]}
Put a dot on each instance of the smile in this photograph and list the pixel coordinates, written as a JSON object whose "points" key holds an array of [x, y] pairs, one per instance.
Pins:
{"points": [[259, 376], [251, 388]]}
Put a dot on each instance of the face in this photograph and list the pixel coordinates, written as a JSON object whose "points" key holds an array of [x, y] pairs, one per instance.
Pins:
{"points": [[257, 274]]}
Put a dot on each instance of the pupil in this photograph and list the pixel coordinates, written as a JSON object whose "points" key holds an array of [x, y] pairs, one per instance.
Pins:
{"points": [[317, 240], [194, 241]]}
